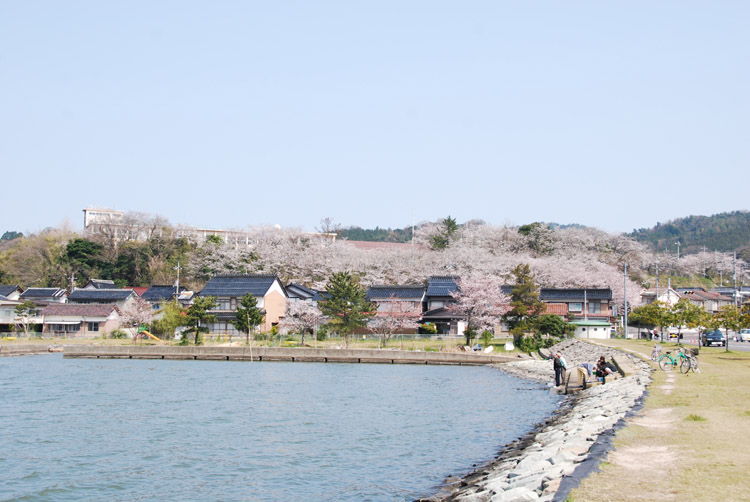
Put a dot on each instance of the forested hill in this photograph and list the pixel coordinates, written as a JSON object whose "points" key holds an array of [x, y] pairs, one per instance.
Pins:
{"points": [[724, 232], [376, 234]]}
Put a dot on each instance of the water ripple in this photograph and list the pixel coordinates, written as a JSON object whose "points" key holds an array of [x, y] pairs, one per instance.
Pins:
{"points": [[198, 430]]}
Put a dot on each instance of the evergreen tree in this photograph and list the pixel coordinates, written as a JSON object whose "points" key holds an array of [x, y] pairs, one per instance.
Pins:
{"points": [[525, 305], [249, 316], [197, 316], [346, 305]]}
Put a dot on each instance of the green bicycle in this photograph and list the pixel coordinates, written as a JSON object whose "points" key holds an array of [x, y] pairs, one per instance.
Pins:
{"points": [[667, 362]]}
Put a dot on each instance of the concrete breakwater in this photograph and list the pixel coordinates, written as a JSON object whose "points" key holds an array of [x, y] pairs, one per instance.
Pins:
{"points": [[283, 354], [549, 461]]}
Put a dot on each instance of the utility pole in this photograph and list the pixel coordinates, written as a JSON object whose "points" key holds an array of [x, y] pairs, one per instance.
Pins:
{"points": [[678, 250], [177, 284], [625, 292], [72, 281], [734, 276]]}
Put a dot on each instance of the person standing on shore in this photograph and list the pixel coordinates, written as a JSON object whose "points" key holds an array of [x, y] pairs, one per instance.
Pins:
{"points": [[558, 363]]}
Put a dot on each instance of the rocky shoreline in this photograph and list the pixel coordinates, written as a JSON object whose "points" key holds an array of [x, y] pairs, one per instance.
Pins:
{"points": [[549, 461]]}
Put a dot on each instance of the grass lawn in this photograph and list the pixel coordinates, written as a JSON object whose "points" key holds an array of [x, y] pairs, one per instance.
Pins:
{"points": [[691, 440]]}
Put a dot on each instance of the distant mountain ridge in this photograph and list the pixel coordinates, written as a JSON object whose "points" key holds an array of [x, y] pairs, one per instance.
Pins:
{"points": [[725, 232]]}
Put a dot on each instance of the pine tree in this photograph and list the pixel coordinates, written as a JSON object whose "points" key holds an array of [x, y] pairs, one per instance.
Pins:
{"points": [[346, 305], [248, 315], [525, 305]]}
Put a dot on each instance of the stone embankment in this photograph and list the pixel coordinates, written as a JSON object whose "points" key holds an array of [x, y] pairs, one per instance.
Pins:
{"points": [[546, 463]]}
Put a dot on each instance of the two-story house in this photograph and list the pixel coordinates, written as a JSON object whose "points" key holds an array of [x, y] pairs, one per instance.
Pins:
{"points": [[230, 289], [119, 297], [158, 295], [589, 309], [437, 298], [399, 302], [44, 296]]}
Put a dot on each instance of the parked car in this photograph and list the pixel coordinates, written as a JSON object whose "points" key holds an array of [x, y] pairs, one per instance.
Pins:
{"points": [[714, 337], [744, 335]]}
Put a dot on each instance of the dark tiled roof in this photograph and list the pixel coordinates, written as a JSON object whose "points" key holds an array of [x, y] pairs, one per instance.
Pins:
{"points": [[442, 286], [5, 290], [441, 313], [101, 284], [562, 295], [99, 295], [299, 291], [43, 293], [413, 292], [83, 310], [238, 285], [159, 293]]}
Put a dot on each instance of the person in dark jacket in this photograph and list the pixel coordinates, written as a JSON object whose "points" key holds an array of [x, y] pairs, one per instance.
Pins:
{"points": [[558, 363], [604, 369]]}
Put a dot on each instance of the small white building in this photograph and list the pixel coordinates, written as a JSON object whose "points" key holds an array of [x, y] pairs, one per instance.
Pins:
{"points": [[600, 330]]}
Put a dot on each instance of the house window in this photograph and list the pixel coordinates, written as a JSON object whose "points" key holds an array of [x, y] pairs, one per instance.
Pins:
{"points": [[93, 326], [575, 307], [595, 308], [436, 304]]}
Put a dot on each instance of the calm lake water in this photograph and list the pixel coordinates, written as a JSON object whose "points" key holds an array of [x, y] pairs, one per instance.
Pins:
{"points": [[122, 430]]}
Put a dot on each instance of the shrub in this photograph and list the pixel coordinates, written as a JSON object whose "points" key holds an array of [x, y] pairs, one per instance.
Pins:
{"points": [[487, 337], [118, 334], [427, 328]]}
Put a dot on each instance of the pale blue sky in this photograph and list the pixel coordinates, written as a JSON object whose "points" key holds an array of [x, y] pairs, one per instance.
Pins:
{"points": [[227, 114]]}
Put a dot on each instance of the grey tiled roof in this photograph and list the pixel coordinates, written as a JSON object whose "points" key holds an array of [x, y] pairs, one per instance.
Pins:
{"points": [[101, 284], [562, 295], [299, 291], [72, 309], [238, 285], [100, 295], [43, 293], [442, 286], [411, 292], [159, 293], [5, 290]]}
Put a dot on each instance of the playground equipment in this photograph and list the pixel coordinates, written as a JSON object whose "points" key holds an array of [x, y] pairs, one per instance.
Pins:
{"points": [[142, 334]]}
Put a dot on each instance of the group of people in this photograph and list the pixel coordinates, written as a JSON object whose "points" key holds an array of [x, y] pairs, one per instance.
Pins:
{"points": [[601, 369]]}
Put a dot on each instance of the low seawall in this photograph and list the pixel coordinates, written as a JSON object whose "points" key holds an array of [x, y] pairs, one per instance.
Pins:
{"points": [[27, 349], [283, 354]]}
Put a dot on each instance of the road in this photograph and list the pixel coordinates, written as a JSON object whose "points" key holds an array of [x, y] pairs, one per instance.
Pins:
{"points": [[691, 337]]}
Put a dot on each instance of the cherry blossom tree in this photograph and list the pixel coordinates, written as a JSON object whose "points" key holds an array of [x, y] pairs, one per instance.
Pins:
{"points": [[481, 302], [136, 314], [392, 316], [301, 317]]}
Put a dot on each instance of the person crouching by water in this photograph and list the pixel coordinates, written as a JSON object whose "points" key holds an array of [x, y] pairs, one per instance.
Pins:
{"points": [[604, 369], [558, 363]]}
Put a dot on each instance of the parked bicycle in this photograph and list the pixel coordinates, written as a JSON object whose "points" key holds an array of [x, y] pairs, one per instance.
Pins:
{"points": [[690, 362], [656, 353], [667, 362]]}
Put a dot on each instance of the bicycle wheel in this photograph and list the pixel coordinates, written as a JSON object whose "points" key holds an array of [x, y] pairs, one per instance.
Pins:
{"points": [[694, 363], [685, 366], [666, 363]]}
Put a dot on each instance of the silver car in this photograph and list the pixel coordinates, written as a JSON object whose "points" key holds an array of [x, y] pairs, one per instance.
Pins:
{"points": [[744, 335]]}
